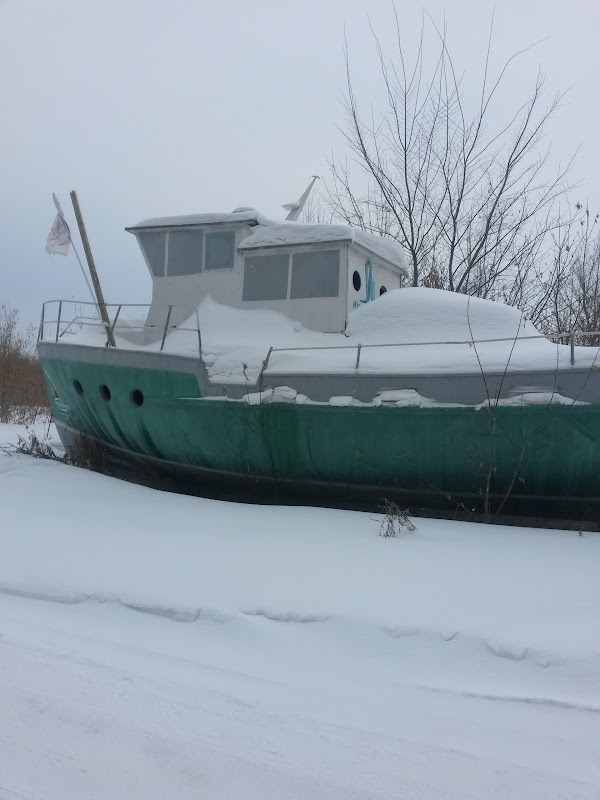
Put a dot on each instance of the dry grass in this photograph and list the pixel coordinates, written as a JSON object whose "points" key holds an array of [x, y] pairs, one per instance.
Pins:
{"points": [[395, 521], [84, 453], [23, 396]]}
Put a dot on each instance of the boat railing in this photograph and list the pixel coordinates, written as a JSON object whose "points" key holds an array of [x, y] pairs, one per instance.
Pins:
{"points": [[570, 337], [62, 323], [62, 318]]}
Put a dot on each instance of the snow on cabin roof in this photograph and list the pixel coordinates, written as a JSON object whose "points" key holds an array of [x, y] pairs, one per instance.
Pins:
{"points": [[269, 233], [282, 234], [248, 215]]}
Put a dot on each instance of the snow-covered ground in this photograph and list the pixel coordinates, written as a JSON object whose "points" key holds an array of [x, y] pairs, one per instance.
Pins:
{"points": [[162, 646]]}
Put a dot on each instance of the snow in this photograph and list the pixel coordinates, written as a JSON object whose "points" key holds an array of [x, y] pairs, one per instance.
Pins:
{"points": [[403, 398], [420, 315], [533, 399], [271, 233], [156, 645], [280, 394], [342, 400], [287, 234], [411, 331], [232, 338], [410, 398], [242, 214]]}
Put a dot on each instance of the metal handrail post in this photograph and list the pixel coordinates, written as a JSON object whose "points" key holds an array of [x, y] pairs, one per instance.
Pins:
{"points": [[358, 349], [199, 334], [41, 330], [60, 302], [266, 361], [114, 322], [572, 349], [162, 344]]}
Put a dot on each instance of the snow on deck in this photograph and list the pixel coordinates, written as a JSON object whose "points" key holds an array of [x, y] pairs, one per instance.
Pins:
{"points": [[156, 645], [415, 320]]}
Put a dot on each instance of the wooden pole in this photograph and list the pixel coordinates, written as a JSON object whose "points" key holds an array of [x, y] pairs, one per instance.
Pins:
{"points": [[64, 221], [92, 267]]}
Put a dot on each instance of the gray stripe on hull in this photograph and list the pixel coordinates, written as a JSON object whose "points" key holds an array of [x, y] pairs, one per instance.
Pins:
{"points": [[133, 359], [466, 388]]}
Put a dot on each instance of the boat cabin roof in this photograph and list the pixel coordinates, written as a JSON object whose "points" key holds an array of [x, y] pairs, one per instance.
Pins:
{"points": [[247, 216], [267, 233]]}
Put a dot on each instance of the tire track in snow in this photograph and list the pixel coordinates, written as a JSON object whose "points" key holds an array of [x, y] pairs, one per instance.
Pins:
{"points": [[401, 634], [288, 616], [523, 699], [175, 613]]}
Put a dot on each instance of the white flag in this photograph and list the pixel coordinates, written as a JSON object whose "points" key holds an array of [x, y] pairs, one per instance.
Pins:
{"points": [[58, 239]]}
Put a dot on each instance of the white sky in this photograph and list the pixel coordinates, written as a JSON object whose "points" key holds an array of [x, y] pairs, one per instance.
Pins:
{"points": [[156, 108]]}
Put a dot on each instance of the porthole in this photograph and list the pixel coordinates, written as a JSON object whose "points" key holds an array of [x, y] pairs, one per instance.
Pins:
{"points": [[78, 386], [105, 392], [356, 281], [383, 290], [136, 397]]}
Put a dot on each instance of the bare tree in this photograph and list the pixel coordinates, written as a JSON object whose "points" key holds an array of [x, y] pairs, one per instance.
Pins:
{"points": [[571, 284], [472, 203]]}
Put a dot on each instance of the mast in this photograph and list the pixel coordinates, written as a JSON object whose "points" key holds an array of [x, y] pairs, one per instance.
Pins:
{"points": [[92, 267]]}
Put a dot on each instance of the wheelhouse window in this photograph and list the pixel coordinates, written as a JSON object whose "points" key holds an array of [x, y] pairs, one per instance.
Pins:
{"points": [[185, 252], [266, 277], [219, 250], [315, 274], [153, 247]]}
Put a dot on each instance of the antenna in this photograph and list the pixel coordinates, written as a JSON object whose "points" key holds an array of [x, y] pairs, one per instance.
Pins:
{"points": [[295, 209]]}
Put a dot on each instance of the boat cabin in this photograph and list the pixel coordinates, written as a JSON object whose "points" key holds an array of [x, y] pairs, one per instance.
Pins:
{"points": [[312, 273]]}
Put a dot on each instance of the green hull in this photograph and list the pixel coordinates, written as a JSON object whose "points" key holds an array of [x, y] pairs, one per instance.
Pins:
{"points": [[447, 453]]}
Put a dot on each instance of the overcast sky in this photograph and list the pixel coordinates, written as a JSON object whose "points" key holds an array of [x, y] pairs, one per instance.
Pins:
{"points": [[152, 108]]}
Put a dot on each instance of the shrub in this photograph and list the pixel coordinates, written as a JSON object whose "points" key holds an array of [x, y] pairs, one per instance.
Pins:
{"points": [[85, 452], [23, 396], [395, 520]]}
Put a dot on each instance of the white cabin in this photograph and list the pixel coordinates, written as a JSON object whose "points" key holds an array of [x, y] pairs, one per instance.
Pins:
{"points": [[312, 273]]}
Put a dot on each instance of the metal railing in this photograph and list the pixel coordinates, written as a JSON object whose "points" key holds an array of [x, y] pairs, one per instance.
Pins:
{"points": [[64, 324], [571, 336], [55, 327]]}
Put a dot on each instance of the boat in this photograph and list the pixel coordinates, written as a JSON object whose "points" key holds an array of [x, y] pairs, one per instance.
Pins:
{"points": [[280, 358]]}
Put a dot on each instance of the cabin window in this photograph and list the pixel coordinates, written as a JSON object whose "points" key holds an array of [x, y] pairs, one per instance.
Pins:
{"points": [[153, 247], [315, 274], [184, 252], [219, 250], [265, 277]]}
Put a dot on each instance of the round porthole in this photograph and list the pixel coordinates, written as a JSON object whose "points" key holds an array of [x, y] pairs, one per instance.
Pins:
{"points": [[383, 290], [105, 392], [136, 397], [78, 386], [356, 281]]}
